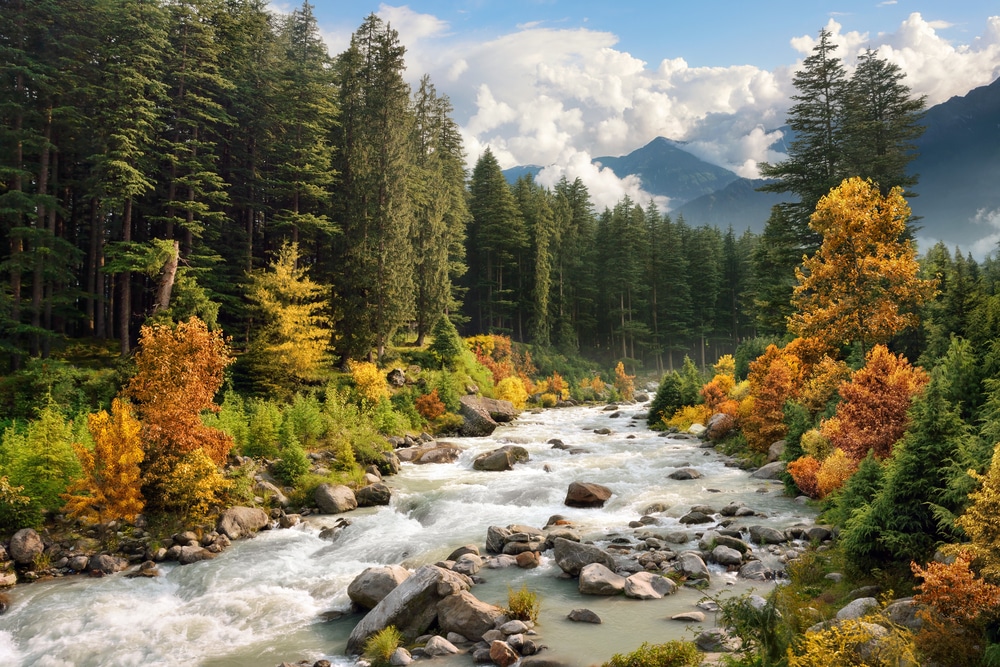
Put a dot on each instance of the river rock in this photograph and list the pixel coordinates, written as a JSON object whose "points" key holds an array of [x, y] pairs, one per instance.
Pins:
{"points": [[689, 617], [468, 564], [482, 415], [527, 560], [584, 616], [467, 615], [438, 645], [597, 579], [726, 556], [496, 538], [78, 563], [904, 612], [587, 494], [107, 564], [411, 606], [766, 535], [441, 452], [775, 451], [25, 545], [334, 499], [697, 429], [691, 566], [371, 586], [696, 517], [262, 487], [502, 654], [400, 658], [389, 463], [190, 554], [500, 459], [769, 471], [571, 557], [462, 550], [857, 608], [237, 522], [685, 474], [373, 495], [756, 571], [715, 640], [648, 586]]}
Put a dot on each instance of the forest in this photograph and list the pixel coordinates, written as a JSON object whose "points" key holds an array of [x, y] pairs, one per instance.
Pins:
{"points": [[217, 239]]}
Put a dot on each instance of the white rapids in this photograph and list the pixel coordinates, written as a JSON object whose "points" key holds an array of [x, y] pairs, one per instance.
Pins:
{"points": [[263, 601]]}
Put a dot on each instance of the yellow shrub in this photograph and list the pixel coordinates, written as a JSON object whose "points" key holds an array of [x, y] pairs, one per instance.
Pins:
{"points": [[482, 345], [740, 391], [512, 389], [816, 445], [835, 470], [689, 414], [194, 487], [549, 400], [854, 642], [726, 365], [369, 382], [542, 387]]}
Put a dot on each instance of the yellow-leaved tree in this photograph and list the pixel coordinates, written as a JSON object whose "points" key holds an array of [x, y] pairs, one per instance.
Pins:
{"points": [[862, 285], [110, 485], [290, 343]]}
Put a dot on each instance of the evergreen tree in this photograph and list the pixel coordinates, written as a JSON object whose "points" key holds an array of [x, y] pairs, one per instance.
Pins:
{"points": [[539, 219], [704, 251], [374, 273], [497, 235], [574, 283]]}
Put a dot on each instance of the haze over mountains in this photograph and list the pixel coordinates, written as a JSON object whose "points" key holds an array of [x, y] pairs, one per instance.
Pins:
{"points": [[958, 163]]}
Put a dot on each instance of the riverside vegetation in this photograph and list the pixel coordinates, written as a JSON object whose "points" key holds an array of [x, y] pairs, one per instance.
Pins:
{"points": [[245, 205]]}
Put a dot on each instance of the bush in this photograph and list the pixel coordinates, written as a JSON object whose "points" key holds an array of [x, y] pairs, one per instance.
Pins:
{"points": [[522, 604], [306, 418], [446, 346], [666, 401], [763, 636], [380, 646], [854, 642], [548, 400], [430, 406], [688, 415], [387, 421], [369, 383], [194, 488], [262, 430], [512, 389], [674, 653], [449, 422]]}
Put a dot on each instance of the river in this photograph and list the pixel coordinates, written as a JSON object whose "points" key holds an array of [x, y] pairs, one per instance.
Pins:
{"points": [[263, 600]]}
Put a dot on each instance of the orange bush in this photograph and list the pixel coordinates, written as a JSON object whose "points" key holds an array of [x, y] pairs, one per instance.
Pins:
{"points": [[430, 406], [716, 392], [957, 606], [822, 384], [773, 377], [624, 383], [835, 470], [803, 471], [873, 411]]}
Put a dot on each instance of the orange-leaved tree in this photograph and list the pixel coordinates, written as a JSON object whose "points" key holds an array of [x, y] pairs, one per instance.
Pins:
{"points": [[862, 285], [773, 379], [179, 371], [110, 485], [872, 413]]}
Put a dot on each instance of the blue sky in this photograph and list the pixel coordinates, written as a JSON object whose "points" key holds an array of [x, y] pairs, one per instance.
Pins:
{"points": [[557, 83]]}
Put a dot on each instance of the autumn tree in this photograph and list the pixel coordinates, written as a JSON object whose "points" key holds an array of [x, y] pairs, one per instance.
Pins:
{"points": [[178, 372], [862, 285], [981, 521], [110, 485], [289, 346], [773, 381], [872, 414]]}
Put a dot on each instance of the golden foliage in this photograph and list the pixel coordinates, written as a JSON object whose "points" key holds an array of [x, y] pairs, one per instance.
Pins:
{"points": [[815, 444], [716, 394], [873, 411], [803, 471], [512, 389], [688, 415], [726, 365], [835, 470], [981, 521], [854, 643], [624, 383], [822, 384], [548, 400], [179, 371], [773, 378], [110, 485], [194, 487], [956, 607], [369, 382], [862, 284]]}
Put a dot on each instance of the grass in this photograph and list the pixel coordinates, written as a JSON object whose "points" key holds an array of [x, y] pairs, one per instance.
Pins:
{"points": [[381, 645], [522, 604]]}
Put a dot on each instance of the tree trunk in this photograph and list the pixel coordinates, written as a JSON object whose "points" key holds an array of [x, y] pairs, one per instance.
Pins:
{"points": [[167, 277], [125, 280]]}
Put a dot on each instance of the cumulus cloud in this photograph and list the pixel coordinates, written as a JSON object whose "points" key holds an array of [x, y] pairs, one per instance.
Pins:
{"points": [[557, 97]]}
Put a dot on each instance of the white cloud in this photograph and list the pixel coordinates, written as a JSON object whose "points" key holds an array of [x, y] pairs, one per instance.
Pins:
{"points": [[557, 97], [987, 244]]}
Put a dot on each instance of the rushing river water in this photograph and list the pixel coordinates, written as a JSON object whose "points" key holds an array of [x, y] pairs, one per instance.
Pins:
{"points": [[263, 600]]}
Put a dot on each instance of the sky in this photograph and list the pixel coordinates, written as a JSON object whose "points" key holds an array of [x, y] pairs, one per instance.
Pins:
{"points": [[556, 83]]}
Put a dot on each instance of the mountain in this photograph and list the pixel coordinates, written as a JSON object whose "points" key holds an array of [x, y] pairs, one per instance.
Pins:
{"points": [[517, 172], [959, 169], [667, 169], [738, 205]]}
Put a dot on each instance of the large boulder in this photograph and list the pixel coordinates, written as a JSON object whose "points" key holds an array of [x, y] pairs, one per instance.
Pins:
{"points": [[724, 555], [501, 459], [597, 579], [373, 495], [691, 566], [648, 586], [465, 614], [482, 415], [108, 564], [436, 452], [587, 494], [372, 585], [685, 474], [334, 499], [237, 522], [767, 535], [572, 557], [25, 545], [769, 471], [411, 606]]}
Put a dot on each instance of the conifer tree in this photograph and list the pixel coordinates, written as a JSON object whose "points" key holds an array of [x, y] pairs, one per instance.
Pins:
{"points": [[574, 289], [374, 151]]}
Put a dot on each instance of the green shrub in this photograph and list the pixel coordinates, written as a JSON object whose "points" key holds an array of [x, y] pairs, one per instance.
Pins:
{"points": [[231, 419], [404, 404], [380, 646], [446, 346], [387, 421], [674, 653], [449, 422], [666, 401], [292, 465], [305, 414], [522, 604], [262, 434]]}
